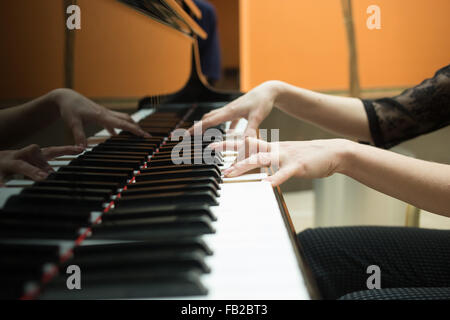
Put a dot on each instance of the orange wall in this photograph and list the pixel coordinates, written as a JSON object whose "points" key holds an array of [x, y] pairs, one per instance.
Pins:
{"points": [[304, 42], [228, 25]]}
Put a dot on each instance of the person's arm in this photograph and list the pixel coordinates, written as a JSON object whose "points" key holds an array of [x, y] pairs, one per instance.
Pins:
{"points": [[384, 122], [421, 183], [75, 109], [342, 115]]}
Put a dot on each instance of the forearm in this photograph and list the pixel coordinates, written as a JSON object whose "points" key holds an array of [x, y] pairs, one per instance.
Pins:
{"points": [[18, 122], [341, 115], [423, 184]]}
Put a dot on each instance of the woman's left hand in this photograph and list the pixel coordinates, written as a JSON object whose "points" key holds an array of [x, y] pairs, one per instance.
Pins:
{"points": [[305, 159]]}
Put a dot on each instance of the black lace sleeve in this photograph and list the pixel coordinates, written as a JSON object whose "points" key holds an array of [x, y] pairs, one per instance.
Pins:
{"points": [[415, 111]]}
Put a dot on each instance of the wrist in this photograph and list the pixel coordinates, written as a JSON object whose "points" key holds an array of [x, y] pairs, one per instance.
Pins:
{"points": [[54, 99], [274, 88], [346, 154]]}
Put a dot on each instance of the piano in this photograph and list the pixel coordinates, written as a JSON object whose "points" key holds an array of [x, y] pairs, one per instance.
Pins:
{"points": [[140, 227]]}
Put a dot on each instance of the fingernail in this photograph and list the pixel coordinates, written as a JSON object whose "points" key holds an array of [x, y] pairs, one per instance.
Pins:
{"points": [[229, 169], [147, 135], [42, 175], [231, 174], [228, 172]]}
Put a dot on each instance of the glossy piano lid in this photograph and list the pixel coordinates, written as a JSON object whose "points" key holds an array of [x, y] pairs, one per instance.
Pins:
{"points": [[170, 13]]}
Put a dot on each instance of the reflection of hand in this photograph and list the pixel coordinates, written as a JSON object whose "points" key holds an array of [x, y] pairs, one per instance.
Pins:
{"points": [[76, 109], [254, 106], [32, 160], [305, 159]]}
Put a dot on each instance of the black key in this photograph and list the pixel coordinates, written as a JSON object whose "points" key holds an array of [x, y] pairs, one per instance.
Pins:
{"points": [[122, 163], [155, 211], [129, 286], [181, 167], [191, 160], [54, 199], [94, 156], [140, 230], [193, 148], [153, 260], [90, 176], [133, 142], [97, 170], [103, 193], [175, 174], [44, 253], [173, 188], [106, 147], [156, 130], [136, 139], [50, 213], [192, 244], [76, 185], [131, 135], [142, 155], [24, 229], [162, 123], [192, 143], [168, 155], [191, 197], [126, 143], [170, 182]]}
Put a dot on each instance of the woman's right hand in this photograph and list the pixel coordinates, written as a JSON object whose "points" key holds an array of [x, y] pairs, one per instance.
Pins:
{"points": [[254, 106], [32, 161]]}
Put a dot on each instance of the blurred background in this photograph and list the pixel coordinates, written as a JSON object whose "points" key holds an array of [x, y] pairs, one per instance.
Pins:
{"points": [[120, 56]]}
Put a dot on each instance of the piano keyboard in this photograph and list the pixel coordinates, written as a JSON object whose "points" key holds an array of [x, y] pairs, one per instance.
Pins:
{"points": [[140, 227]]}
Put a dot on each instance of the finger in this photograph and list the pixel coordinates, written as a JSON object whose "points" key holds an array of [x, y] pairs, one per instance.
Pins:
{"points": [[234, 124], [211, 113], [126, 126], [196, 126], [281, 176], [233, 145], [123, 116], [111, 131], [252, 127], [78, 133], [246, 147], [54, 152], [253, 146], [33, 155], [32, 172], [255, 161], [209, 122]]}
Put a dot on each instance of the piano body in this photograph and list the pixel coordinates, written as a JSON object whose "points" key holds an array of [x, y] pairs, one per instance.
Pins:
{"points": [[139, 226]]}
